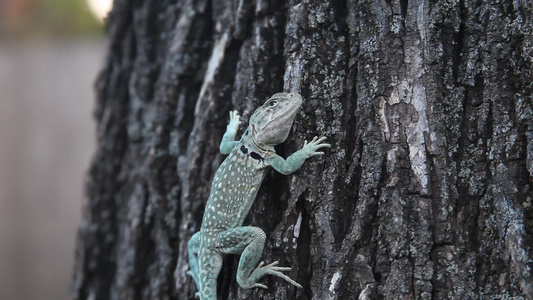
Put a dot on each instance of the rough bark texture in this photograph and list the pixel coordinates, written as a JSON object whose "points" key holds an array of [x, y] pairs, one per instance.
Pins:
{"points": [[427, 191]]}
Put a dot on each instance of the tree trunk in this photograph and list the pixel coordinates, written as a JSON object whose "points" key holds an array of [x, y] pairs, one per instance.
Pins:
{"points": [[426, 193]]}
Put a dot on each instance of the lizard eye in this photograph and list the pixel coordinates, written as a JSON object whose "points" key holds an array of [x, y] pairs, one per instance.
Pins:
{"points": [[272, 103]]}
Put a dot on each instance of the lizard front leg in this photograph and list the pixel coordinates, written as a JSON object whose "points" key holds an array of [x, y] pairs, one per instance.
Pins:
{"points": [[249, 242], [228, 140], [296, 160]]}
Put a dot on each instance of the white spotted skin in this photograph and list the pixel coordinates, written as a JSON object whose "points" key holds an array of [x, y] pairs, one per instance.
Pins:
{"points": [[233, 191]]}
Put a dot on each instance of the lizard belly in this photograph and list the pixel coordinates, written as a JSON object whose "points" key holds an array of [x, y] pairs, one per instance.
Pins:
{"points": [[233, 191]]}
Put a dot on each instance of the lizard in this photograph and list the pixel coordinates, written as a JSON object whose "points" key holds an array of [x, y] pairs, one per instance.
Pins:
{"points": [[233, 191]]}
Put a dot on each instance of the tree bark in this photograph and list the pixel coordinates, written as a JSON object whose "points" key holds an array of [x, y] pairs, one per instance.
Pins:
{"points": [[426, 193]]}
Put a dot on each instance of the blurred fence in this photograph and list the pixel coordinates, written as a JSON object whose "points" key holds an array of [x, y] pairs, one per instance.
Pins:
{"points": [[46, 141]]}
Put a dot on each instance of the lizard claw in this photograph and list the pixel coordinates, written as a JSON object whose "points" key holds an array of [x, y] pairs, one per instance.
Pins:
{"points": [[259, 285], [261, 264]]}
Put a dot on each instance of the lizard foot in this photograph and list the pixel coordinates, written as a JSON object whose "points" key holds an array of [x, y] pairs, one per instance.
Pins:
{"points": [[271, 269], [234, 120], [310, 149]]}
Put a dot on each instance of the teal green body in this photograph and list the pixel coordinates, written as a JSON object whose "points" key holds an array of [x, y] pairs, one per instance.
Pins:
{"points": [[233, 190]]}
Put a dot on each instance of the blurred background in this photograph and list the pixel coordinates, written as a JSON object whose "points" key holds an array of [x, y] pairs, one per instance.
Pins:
{"points": [[50, 53]]}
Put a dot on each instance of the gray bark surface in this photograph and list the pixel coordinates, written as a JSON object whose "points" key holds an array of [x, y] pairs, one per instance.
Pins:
{"points": [[426, 192]]}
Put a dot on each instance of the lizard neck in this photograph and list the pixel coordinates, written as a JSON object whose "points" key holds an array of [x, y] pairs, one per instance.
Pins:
{"points": [[249, 142]]}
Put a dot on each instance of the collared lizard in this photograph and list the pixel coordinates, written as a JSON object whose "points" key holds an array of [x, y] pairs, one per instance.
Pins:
{"points": [[234, 189]]}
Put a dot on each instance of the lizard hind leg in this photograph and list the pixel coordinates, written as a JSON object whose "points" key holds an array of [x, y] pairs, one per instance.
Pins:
{"points": [[193, 246], [210, 263], [249, 242]]}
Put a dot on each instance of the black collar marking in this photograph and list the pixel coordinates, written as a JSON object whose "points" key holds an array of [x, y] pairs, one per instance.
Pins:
{"points": [[255, 155]]}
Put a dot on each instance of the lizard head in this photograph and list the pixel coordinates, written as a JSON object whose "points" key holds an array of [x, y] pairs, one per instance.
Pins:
{"points": [[270, 123]]}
